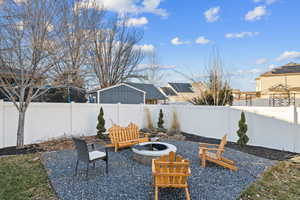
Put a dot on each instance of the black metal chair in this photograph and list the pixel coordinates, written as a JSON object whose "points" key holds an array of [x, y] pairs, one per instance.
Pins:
{"points": [[87, 157]]}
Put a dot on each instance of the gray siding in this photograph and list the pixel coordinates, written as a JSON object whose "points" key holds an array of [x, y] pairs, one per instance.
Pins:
{"points": [[121, 94]]}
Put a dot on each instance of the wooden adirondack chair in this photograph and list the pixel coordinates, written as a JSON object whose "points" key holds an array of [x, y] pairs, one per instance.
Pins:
{"points": [[213, 153], [125, 136], [170, 171]]}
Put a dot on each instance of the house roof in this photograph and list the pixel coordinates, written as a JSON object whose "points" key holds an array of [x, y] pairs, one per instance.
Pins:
{"points": [[168, 91], [289, 68], [152, 92], [182, 87]]}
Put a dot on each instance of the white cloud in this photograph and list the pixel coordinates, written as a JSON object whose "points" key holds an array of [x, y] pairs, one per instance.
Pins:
{"points": [[177, 41], [272, 66], [268, 2], [256, 14], [212, 14], [20, 1], [202, 40], [247, 72], [146, 48], [137, 21], [127, 6], [241, 35], [289, 55], [151, 6], [261, 61]]}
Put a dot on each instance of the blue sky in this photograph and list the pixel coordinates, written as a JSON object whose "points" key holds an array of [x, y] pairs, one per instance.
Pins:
{"points": [[252, 35]]}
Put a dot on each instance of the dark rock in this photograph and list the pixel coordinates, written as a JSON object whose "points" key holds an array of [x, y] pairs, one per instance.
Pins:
{"points": [[128, 179]]}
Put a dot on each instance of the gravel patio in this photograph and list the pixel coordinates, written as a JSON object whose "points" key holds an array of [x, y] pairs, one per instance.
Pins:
{"points": [[128, 179]]}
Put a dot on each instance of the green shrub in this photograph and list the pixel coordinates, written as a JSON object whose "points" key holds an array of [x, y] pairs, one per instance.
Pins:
{"points": [[243, 138], [160, 123], [101, 124]]}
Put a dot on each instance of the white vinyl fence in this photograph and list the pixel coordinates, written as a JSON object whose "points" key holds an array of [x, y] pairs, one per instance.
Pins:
{"points": [[45, 121], [289, 114]]}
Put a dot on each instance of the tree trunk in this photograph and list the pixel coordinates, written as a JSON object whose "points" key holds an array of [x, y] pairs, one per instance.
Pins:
{"points": [[20, 133]]}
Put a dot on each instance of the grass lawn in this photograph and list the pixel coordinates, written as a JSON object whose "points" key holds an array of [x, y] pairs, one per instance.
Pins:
{"points": [[24, 177], [280, 182]]}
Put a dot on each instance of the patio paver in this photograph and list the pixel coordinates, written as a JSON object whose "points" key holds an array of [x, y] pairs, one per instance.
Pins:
{"points": [[128, 179]]}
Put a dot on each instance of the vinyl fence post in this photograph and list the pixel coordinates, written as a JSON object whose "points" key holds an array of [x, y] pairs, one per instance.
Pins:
{"points": [[71, 117], [295, 114]]}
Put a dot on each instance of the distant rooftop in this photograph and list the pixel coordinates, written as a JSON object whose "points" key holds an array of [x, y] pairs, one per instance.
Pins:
{"points": [[152, 92], [168, 91], [182, 87], [285, 69]]}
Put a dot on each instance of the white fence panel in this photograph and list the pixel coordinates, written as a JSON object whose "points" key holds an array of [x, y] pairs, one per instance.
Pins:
{"points": [[10, 124], [84, 118], [283, 113], [205, 121], [46, 121], [269, 132], [130, 113], [298, 114]]}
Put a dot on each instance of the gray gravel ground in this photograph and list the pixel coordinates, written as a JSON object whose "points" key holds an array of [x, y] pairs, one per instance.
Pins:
{"points": [[127, 179]]}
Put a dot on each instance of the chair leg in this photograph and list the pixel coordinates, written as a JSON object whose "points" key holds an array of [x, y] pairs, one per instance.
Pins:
{"points": [[156, 193], [87, 171], [187, 194], [94, 165], [106, 165], [203, 160], [76, 168]]}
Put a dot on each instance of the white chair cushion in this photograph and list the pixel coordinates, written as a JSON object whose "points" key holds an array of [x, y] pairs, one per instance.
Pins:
{"points": [[96, 155]]}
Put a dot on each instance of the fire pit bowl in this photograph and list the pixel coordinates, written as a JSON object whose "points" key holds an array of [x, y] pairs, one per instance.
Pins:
{"points": [[146, 151]]}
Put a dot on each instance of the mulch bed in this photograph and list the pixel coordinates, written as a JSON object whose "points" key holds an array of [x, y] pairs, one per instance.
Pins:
{"points": [[66, 143], [52, 145], [263, 152], [26, 150]]}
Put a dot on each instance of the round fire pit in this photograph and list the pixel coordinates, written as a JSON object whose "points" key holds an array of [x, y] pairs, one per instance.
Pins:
{"points": [[145, 152]]}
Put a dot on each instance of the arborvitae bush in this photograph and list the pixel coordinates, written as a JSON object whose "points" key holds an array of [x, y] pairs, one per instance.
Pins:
{"points": [[243, 138], [160, 123], [101, 124]]}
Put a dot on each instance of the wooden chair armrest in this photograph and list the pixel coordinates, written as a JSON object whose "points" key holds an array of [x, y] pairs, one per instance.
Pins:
{"points": [[128, 141], [145, 134], [208, 144], [211, 149], [153, 167], [109, 145]]}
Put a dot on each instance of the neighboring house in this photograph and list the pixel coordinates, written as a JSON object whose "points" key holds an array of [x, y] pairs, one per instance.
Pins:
{"points": [[281, 85], [128, 93], [240, 95], [182, 92]]}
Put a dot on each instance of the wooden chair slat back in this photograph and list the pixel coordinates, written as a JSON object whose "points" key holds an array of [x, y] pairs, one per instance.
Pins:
{"points": [[171, 169], [222, 146], [120, 134]]}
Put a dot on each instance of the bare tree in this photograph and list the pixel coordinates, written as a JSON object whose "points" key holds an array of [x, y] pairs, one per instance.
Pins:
{"points": [[151, 72], [29, 50], [115, 53], [76, 23], [217, 90]]}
